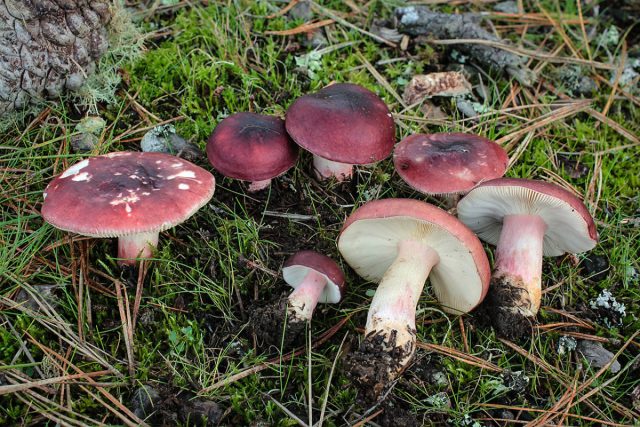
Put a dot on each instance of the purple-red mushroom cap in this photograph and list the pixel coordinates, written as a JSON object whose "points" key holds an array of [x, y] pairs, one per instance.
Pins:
{"points": [[343, 123], [125, 194], [569, 225], [251, 147], [298, 266], [448, 163]]}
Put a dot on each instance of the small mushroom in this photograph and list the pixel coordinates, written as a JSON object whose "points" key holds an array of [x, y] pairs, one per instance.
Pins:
{"points": [[129, 195], [315, 278], [400, 243], [525, 219], [251, 147], [448, 163], [341, 125]]}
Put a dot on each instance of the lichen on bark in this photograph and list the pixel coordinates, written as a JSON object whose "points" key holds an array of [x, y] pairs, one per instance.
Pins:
{"points": [[49, 46]]}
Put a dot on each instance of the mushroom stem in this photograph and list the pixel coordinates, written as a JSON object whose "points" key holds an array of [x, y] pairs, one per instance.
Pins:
{"points": [[518, 269], [326, 169], [259, 185], [392, 314], [134, 246], [304, 298]]}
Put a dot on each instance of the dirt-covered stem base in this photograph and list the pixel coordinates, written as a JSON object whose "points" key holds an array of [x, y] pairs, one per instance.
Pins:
{"points": [[390, 333], [138, 246], [515, 291], [326, 169]]}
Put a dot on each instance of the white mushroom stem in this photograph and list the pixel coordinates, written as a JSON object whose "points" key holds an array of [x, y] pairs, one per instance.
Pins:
{"points": [[393, 309], [259, 185], [326, 169], [519, 260], [138, 246], [304, 298]]}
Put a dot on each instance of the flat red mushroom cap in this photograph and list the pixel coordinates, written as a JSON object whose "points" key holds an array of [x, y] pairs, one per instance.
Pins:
{"points": [[251, 147], [125, 193], [448, 163], [343, 123]]}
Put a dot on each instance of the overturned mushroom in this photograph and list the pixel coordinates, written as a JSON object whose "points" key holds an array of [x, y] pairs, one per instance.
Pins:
{"points": [[315, 278], [400, 243], [129, 195], [525, 219]]}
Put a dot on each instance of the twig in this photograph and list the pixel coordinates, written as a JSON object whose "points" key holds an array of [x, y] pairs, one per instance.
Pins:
{"points": [[6, 389], [525, 52]]}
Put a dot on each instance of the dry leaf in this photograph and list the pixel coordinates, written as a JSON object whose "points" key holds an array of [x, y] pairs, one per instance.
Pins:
{"points": [[450, 83]]}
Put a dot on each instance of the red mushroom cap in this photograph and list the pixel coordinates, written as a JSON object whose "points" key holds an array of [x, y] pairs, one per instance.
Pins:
{"points": [[125, 193], [251, 147], [369, 243], [448, 163], [343, 123], [570, 226], [324, 265]]}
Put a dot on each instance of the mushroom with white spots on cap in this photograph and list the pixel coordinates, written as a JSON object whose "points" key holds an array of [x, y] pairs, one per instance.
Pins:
{"points": [[315, 278], [129, 195], [399, 243], [525, 219]]}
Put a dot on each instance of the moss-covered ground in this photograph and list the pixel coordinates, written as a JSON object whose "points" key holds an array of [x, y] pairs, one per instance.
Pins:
{"points": [[64, 301]]}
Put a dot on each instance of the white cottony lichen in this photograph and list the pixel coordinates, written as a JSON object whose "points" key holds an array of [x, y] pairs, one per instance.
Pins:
{"points": [[607, 300], [566, 344]]}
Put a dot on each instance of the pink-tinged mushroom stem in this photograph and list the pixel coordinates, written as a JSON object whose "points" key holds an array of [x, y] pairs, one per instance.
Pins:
{"points": [[393, 309], [519, 261], [136, 246], [326, 169], [303, 300], [259, 185]]}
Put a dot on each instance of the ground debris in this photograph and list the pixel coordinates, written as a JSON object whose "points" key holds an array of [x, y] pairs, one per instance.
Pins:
{"points": [[421, 21], [164, 139], [597, 355], [422, 86]]}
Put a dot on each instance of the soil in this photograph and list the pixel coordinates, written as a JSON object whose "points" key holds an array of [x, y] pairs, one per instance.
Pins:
{"points": [[494, 310], [595, 267], [269, 321], [372, 367], [164, 406]]}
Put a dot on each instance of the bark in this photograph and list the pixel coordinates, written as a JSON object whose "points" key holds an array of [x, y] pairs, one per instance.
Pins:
{"points": [[48, 46], [421, 21]]}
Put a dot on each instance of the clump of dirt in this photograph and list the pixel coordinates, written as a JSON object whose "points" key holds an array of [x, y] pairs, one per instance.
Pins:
{"points": [[594, 267], [395, 413], [497, 310], [374, 366], [272, 326], [164, 406]]}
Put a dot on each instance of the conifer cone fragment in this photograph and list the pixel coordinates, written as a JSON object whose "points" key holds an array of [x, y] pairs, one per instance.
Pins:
{"points": [[48, 46]]}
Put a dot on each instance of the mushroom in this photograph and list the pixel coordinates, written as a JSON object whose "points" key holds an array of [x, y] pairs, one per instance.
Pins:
{"points": [[526, 219], [448, 163], [341, 125], [251, 147], [399, 243], [129, 195], [315, 278]]}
